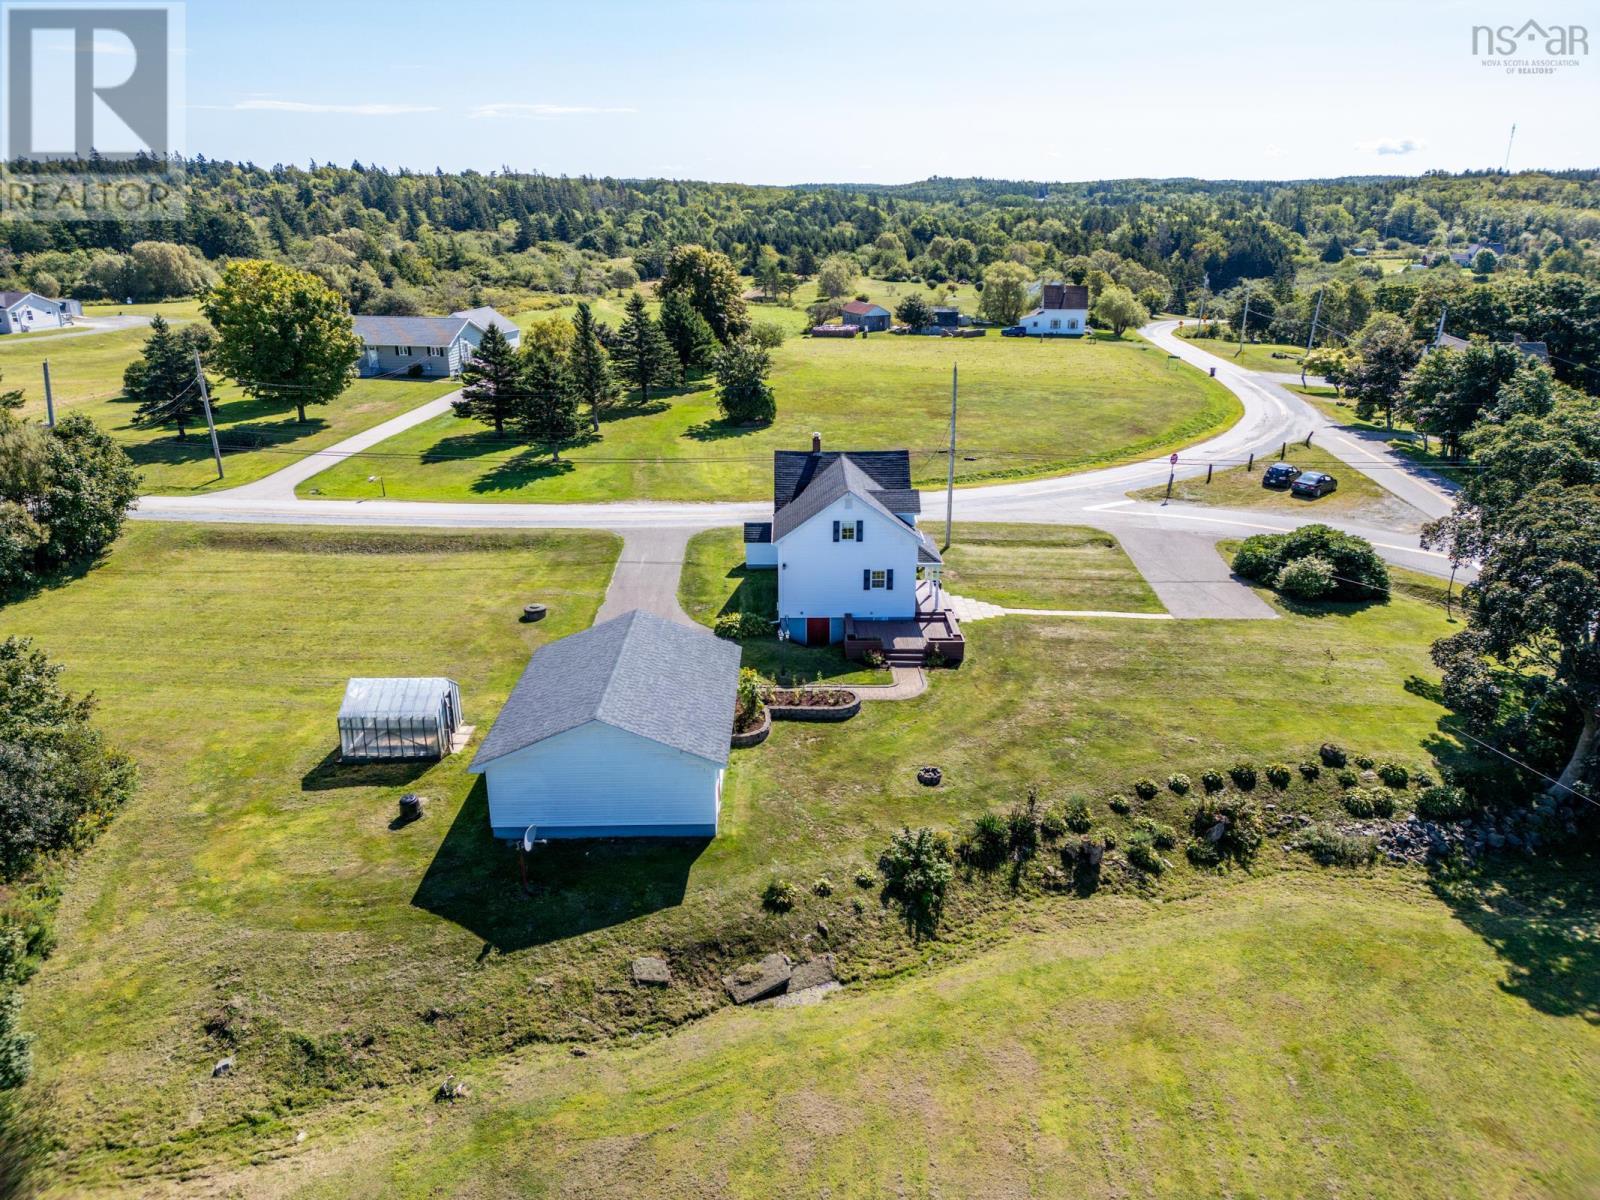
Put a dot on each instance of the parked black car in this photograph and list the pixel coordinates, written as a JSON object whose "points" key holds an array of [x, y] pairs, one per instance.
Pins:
{"points": [[1014, 331], [1313, 484], [1280, 475]]}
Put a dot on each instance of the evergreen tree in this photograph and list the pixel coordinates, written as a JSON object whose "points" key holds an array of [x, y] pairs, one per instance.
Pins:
{"points": [[591, 366], [11, 399], [549, 409], [742, 388], [161, 381], [687, 333], [644, 357], [491, 382]]}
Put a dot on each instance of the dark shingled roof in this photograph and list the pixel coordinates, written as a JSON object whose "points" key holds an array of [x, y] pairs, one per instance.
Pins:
{"points": [[839, 477], [889, 471], [670, 683], [1064, 295], [758, 531]]}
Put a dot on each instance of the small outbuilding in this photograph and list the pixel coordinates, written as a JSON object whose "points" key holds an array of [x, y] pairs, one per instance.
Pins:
{"points": [[622, 730], [399, 718], [872, 318]]}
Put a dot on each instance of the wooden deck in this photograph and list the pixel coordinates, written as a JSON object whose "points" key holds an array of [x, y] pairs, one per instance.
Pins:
{"points": [[908, 642]]}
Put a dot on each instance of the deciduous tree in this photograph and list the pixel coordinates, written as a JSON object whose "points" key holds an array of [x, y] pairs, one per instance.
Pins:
{"points": [[1005, 292], [708, 281], [282, 334], [1384, 354], [742, 389], [1117, 309]]}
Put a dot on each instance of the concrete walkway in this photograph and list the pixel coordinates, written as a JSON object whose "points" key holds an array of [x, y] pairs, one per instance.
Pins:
{"points": [[909, 682], [967, 609]]}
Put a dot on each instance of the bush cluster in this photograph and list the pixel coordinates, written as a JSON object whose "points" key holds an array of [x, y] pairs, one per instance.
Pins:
{"points": [[1331, 848], [1393, 775], [1353, 569], [1145, 789], [1308, 578], [1347, 778], [1078, 816], [1241, 833], [916, 868], [1368, 802], [1243, 774], [1179, 784], [740, 626], [1442, 802], [1119, 804], [1142, 853], [1278, 775], [1213, 782], [779, 896], [1310, 770], [1162, 837]]}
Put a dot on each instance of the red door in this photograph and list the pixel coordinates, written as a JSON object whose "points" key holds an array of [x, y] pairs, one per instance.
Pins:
{"points": [[817, 631]]}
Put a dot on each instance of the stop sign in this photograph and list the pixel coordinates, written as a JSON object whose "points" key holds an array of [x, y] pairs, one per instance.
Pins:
{"points": [[1174, 458]]}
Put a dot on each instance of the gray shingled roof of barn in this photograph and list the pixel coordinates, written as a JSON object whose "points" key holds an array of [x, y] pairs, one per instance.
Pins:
{"points": [[670, 683]]}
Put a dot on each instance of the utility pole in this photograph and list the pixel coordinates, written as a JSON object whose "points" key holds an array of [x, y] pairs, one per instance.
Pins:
{"points": [[1311, 337], [1243, 322], [1438, 333], [950, 479], [1506, 166], [49, 399], [205, 399]]}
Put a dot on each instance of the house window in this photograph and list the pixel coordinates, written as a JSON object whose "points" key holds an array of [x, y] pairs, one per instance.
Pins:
{"points": [[847, 532], [1055, 322], [1073, 323], [403, 351], [880, 579]]}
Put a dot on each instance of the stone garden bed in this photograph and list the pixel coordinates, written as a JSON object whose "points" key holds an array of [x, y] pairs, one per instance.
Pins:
{"points": [[812, 704]]}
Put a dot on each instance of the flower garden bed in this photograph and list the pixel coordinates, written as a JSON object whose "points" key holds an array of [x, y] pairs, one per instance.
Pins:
{"points": [[812, 704], [743, 739]]}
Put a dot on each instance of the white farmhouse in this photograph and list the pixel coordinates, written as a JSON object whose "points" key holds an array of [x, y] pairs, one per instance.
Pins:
{"points": [[622, 730], [23, 311], [1063, 312], [853, 567]]}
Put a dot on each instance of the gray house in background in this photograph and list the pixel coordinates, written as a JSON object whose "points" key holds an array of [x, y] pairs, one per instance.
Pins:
{"points": [[426, 347]]}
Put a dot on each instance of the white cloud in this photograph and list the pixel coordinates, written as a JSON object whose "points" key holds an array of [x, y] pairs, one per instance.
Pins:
{"points": [[304, 106], [1391, 145], [543, 112]]}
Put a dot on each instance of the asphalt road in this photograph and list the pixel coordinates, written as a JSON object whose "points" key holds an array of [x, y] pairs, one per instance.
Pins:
{"points": [[1174, 548]]}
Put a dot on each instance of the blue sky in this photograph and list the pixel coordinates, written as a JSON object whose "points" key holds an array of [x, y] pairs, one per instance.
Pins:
{"points": [[882, 90]]}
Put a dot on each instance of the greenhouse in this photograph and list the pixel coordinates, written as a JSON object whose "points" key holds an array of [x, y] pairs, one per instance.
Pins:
{"points": [[399, 718]]}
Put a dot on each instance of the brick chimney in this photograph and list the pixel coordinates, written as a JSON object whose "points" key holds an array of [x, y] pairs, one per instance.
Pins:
{"points": [[816, 443]]}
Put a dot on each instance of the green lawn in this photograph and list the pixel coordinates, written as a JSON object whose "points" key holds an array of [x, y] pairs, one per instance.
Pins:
{"points": [[86, 375], [1300, 1035], [715, 581], [1275, 357], [171, 309], [1357, 497], [1045, 566], [1028, 408], [254, 899]]}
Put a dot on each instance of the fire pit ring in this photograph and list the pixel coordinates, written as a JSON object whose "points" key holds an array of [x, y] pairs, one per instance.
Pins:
{"points": [[929, 776], [533, 612]]}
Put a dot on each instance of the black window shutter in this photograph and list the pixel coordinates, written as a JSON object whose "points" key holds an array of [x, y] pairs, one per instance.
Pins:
{"points": [[861, 531], [836, 531], [866, 580], [889, 580]]}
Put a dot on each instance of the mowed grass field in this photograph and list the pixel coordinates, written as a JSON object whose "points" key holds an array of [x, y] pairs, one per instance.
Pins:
{"points": [[1306, 1034], [1028, 408], [1044, 566], [1274, 357], [255, 900], [258, 436]]}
